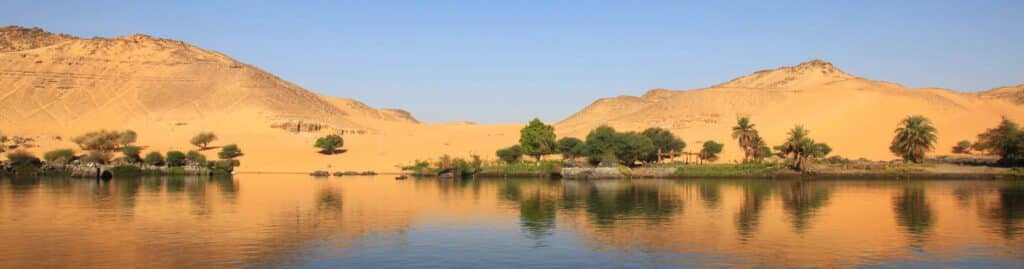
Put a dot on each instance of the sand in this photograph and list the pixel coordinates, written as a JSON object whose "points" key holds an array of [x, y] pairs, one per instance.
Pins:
{"points": [[57, 86]]}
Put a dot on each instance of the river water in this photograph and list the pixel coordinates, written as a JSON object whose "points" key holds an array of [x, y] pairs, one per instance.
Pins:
{"points": [[270, 221]]}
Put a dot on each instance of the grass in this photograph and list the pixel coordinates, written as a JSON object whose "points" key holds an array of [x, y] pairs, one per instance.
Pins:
{"points": [[720, 170], [524, 167]]}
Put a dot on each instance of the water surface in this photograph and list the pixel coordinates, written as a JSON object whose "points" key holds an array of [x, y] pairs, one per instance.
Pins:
{"points": [[378, 222]]}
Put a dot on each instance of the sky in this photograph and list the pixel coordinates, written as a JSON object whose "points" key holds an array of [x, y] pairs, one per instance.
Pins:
{"points": [[510, 61]]}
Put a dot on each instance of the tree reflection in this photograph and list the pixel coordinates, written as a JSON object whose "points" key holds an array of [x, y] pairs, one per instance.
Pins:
{"points": [[913, 212], [1008, 212], [328, 200], [710, 194], [227, 186], [537, 215], [754, 196], [630, 199], [801, 201]]}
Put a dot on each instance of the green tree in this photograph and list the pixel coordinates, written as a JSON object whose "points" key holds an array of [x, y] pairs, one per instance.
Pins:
{"points": [[633, 147], [963, 147], [154, 158], [330, 143], [203, 140], [747, 137], [799, 147], [229, 152], [59, 156], [127, 137], [762, 150], [511, 154], [915, 136], [571, 147], [175, 158], [601, 144], [1006, 140], [709, 152], [664, 141], [195, 158], [538, 139], [132, 154], [21, 160], [104, 140]]}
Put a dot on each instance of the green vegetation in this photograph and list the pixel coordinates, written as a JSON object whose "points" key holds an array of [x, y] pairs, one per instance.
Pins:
{"points": [[510, 154], [446, 165], [963, 147], [175, 158], [571, 147], [154, 158], [194, 158], [229, 152], [23, 161], [664, 142], [728, 170], [132, 154], [97, 157], [799, 148], [202, 140], [749, 139], [914, 137], [329, 144], [710, 150], [537, 139], [105, 140], [59, 156], [607, 146], [542, 167], [1006, 140]]}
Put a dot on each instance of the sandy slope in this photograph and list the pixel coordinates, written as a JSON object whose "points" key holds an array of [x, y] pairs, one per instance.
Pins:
{"points": [[53, 87]]}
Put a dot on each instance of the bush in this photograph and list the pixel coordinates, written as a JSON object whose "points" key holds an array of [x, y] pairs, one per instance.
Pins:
{"points": [[23, 161], [154, 158], [510, 154], [175, 158], [97, 157], [229, 152], [328, 144], [222, 166], [202, 140], [711, 150], [626, 148], [105, 140], [571, 147], [132, 154], [126, 170], [963, 147], [195, 158], [59, 156]]}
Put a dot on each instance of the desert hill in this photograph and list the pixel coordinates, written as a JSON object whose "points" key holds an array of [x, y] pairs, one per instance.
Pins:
{"points": [[855, 115]]}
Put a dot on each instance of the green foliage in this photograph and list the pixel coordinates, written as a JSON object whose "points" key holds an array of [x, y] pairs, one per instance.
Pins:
{"points": [[605, 145], [154, 158], [915, 136], [132, 154], [175, 158], [229, 152], [538, 139], [725, 170], [222, 166], [545, 167], [202, 140], [749, 139], [1006, 140], [23, 161], [105, 140], [97, 156], [59, 156], [193, 157], [510, 154], [328, 144], [419, 167], [663, 140], [799, 147], [963, 147], [710, 150], [633, 147], [126, 170], [571, 147]]}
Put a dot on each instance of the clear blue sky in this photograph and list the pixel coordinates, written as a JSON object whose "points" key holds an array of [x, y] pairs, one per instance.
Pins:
{"points": [[508, 61]]}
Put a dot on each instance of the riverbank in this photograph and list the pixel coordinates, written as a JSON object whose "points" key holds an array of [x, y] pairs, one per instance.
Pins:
{"points": [[776, 171]]}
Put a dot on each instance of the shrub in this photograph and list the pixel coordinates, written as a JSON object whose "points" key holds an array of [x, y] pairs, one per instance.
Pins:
{"points": [[195, 158], [97, 157], [571, 147], [963, 147], [229, 152], [510, 154], [126, 170], [132, 154], [328, 144], [202, 140], [23, 161], [175, 158], [710, 151], [154, 158], [59, 156]]}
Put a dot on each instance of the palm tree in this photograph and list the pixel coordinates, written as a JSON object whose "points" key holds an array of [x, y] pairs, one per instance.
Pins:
{"points": [[797, 145], [746, 134], [914, 137]]}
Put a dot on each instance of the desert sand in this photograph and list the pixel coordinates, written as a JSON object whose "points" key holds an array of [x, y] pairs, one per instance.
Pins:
{"points": [[54, 87]]}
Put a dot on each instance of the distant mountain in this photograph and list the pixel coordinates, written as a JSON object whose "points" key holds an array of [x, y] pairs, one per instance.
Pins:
{"points": [[853, 114]]}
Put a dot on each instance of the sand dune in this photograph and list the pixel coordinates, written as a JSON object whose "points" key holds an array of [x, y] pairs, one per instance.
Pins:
{"points": [[57, 86]]}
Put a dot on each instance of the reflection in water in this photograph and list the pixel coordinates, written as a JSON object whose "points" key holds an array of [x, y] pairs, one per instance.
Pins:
{"points": [[802, 200], [913, 212], [374, 222]]}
